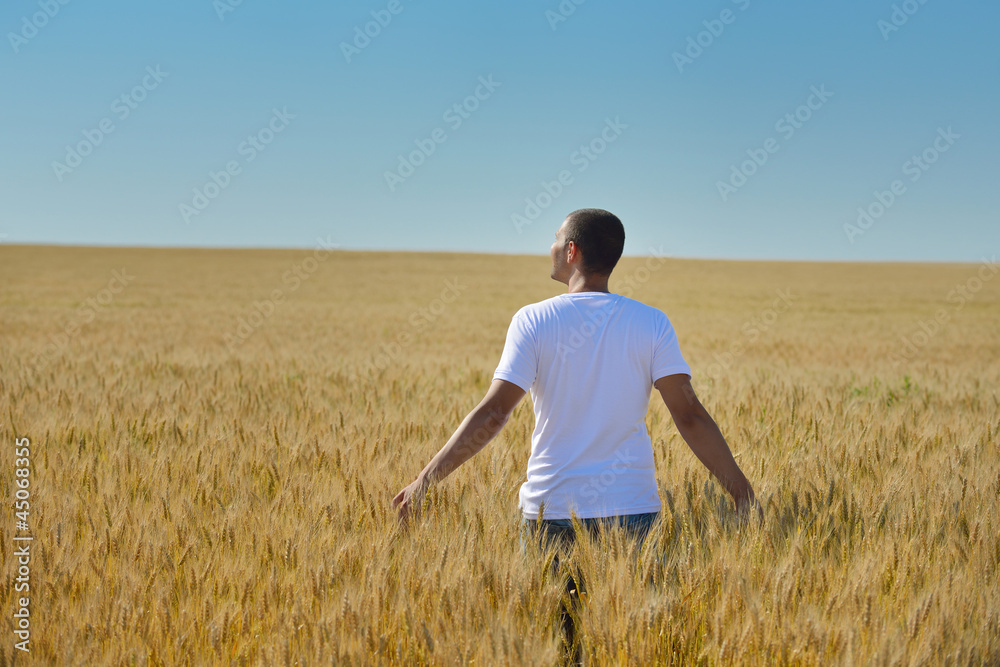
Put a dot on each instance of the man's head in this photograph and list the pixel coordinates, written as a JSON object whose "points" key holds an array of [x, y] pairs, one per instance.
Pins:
{"points": [[590, 241]]}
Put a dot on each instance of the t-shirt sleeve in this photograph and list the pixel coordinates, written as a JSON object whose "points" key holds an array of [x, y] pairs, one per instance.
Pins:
{"points": [[519, 361], [667, 358]]}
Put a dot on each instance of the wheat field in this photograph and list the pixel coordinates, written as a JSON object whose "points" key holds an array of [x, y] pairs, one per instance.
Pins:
{"points": [[216, 436]]}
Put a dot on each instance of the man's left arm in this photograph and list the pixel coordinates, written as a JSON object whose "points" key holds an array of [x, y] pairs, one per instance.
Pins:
{"points": [[479, 427]]}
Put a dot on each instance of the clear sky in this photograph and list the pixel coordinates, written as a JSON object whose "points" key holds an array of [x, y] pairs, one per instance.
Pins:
{"points": [[731, 129]]}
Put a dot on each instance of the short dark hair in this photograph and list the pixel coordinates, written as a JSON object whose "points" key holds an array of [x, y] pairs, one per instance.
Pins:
{"points": [[599, 235]]}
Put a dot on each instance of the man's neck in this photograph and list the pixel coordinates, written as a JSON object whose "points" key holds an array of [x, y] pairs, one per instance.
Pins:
{"points": [[579, 282]]}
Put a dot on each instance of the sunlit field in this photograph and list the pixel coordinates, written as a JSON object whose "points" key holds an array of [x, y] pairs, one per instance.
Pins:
{"points": [[216, 437]]}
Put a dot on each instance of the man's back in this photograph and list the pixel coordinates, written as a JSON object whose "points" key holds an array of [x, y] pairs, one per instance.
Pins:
{"points": [[590, 360]]}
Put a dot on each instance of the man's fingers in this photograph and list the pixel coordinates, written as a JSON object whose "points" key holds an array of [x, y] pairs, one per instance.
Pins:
{"points": [[403, 502], [403, 511], [747, 508]]}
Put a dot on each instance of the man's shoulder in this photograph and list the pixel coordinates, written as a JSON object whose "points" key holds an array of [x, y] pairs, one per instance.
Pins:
{"points": [[534, 315], [549, 305], [641, 307], [644, 312], [547, 308]]}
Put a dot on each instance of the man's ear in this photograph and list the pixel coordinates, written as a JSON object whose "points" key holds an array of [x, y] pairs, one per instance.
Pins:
{"points": [[573, 252]]}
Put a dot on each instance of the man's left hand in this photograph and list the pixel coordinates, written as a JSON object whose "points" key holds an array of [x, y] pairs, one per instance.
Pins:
{"points": [[407, 501]]}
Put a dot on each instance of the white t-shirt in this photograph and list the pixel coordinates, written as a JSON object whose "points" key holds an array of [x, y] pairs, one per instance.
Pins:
{"points": [[589, 360]]}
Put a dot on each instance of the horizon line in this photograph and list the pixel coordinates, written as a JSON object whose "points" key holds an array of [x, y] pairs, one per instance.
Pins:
{"points": [[126, 246]]}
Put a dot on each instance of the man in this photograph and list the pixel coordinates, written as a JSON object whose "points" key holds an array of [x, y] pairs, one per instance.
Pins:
{"points": [[589, 359]]}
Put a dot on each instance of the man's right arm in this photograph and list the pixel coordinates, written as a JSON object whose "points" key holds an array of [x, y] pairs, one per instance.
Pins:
{"points": [[705, 439]]}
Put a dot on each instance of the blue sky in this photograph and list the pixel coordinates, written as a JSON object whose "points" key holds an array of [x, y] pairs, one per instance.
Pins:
{"points": [[730, 129]]}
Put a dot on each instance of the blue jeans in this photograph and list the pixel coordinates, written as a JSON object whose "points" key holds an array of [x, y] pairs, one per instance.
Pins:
{"points": [[560, 532]]}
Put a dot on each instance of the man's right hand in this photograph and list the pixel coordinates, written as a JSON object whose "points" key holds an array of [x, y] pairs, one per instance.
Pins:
{"points": [[747, 507]]}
